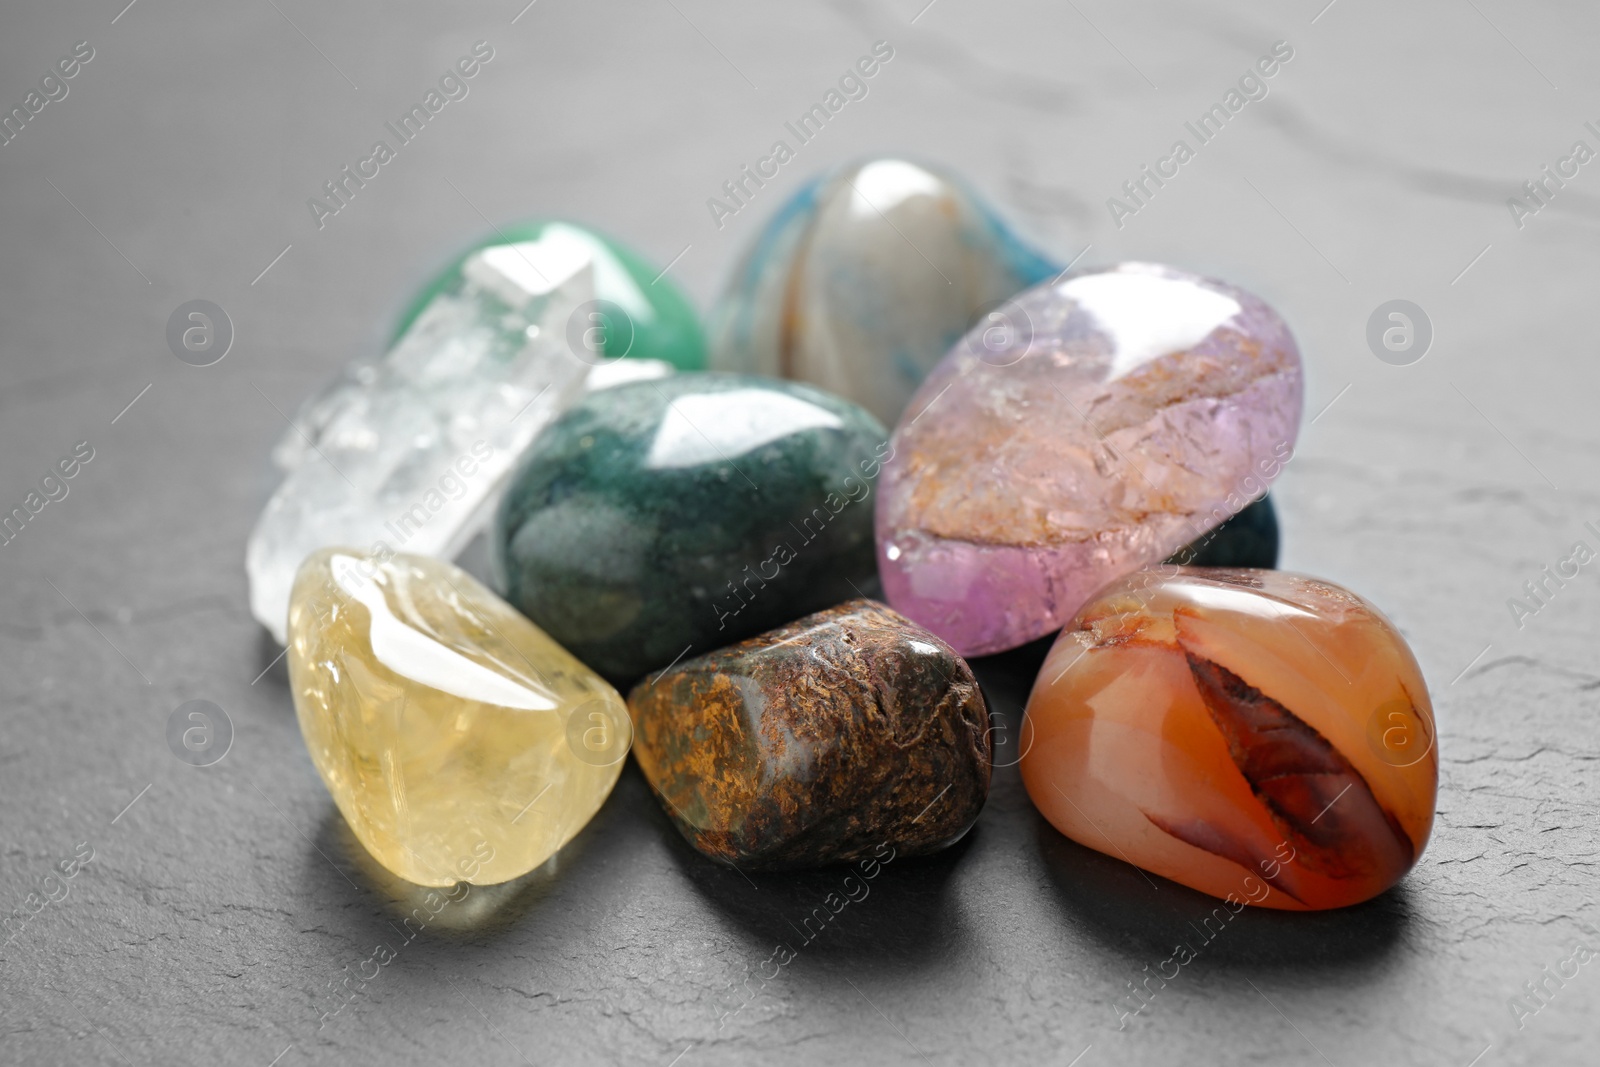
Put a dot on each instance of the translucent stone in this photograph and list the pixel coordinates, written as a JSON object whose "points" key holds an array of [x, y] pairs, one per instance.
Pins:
{"points": [[460, 742], [1114, 417], [408, 450], [864, 279], [1263, 737], [648, 316]]}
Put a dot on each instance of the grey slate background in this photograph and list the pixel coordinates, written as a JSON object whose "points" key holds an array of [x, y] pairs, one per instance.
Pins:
{"points": [[222, 902]]}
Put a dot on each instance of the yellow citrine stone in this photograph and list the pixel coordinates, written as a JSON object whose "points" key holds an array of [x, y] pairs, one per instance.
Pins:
{"points": [[459, 741]]}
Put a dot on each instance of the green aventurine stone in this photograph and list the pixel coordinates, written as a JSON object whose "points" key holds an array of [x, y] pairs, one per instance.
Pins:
{"points": [[662, 323], [659, 519]]}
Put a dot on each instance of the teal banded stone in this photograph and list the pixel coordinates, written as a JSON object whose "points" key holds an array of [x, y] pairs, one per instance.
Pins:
{"points": [[866, 278]]}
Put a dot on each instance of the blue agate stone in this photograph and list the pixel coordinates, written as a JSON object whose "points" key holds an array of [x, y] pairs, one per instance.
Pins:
{"points": [[865, 279]]}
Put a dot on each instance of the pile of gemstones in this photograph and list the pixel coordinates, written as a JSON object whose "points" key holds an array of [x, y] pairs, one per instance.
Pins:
{"points": [[787, 590]]}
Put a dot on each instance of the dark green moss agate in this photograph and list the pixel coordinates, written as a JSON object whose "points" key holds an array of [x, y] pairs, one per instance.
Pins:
{"points": [[1248, 539], [659, 519]]}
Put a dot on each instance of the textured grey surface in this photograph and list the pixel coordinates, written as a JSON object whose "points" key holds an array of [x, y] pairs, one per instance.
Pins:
{"points": [[218, 908]]}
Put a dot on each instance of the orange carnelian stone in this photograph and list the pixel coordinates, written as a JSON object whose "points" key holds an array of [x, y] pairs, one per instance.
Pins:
{"points": [[1255, 735]]}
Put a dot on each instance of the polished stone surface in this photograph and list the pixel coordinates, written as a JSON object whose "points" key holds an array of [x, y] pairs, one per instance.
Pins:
{"points": [[820, 742], [1116, 416], [1247, 539], [460, 743], [865, 278], [220, 905], [660, 519], [1260, 736], [409, 449], [638, 312]]}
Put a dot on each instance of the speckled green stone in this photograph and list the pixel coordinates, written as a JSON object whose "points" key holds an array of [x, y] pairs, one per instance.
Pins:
{"points": [[665, 325], [660, 519]]}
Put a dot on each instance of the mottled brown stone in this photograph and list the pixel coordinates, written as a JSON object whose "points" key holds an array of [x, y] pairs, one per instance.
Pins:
{"points": [[815, 742]]}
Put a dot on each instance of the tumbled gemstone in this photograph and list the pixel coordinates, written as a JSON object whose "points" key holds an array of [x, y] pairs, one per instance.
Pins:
{"points": [[1248, 539], [865, 279], [460, 743], [405, 451], [818, 742], [660, 519], [642, 313], [1111, 419], [1254, 735]]}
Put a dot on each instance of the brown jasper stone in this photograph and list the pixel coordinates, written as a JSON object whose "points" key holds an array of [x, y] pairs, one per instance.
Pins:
{"points": [[816, 742]]}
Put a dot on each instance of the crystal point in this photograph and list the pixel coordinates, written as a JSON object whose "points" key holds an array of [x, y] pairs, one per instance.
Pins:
{"points": [[654, 320], [407, 450]]}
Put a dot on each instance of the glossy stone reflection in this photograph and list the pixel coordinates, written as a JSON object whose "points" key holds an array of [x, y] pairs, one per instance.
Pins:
{"points": [[818, 742], [1114, 418], [865, 279], [660, 519], [1251, 734], [460, 743]]}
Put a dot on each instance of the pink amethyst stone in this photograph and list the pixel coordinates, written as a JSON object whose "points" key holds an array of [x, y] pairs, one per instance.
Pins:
{"points": [[1089, 427]]}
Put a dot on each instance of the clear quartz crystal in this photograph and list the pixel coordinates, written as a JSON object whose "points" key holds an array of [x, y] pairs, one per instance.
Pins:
{"points": [[408, 450]]}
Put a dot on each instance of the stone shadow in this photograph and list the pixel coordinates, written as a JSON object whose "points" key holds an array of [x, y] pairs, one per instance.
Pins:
{"points": [[272, 666], [1142, 917], [898, 916], [1006, 680], [461, 912]]}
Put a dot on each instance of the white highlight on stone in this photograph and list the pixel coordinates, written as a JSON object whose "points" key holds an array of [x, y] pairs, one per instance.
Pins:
{"points": [[415, 655], [882, 185], [1223, 600], [622, 371], [1148, 316], [708, 427], [407, 451]]}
